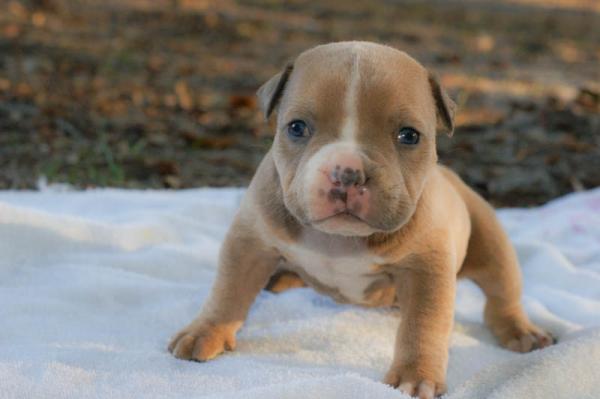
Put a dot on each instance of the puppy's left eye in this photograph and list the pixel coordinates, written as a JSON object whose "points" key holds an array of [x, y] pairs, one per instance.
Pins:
{"points": [[408, 136]]}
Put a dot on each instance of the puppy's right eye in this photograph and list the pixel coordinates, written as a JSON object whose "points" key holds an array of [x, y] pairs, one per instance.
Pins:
{"points": [[297, 130]]}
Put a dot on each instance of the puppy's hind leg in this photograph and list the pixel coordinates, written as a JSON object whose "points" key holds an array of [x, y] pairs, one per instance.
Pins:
{"points": [[284, 280], [492, 263]]}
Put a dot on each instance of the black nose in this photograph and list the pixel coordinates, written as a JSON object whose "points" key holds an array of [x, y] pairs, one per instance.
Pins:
{"points": [[350, 177]]}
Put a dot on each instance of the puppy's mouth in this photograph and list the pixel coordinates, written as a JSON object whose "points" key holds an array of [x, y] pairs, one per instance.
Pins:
{"points": [[344, 223], [345, 215]]}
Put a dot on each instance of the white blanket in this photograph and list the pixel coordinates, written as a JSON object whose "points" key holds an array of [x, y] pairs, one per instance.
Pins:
{"points": [[93, 284]]}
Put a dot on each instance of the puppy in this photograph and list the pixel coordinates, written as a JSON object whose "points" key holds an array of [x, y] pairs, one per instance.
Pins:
{"points": [[351, 201]]}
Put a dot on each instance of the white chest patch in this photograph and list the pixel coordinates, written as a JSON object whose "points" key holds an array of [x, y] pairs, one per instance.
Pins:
{"points": [[351, 274]]}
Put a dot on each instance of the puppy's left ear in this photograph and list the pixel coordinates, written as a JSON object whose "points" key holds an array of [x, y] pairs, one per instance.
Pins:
{"points": [[445, 107], [270, 93]]}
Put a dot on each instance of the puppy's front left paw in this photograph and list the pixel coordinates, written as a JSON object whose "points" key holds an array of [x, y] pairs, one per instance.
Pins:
{"points": [[203, 341], [410, 382]]}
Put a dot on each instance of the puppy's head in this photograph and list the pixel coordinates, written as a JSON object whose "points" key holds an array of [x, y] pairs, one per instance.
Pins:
{"points": [[355, 140]]}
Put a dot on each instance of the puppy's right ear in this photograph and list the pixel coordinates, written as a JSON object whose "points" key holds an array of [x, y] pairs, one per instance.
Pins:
{"points": [[270, 93]]}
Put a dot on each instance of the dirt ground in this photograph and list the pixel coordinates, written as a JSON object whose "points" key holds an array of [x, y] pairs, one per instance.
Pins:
{"points": [[152, 94]]}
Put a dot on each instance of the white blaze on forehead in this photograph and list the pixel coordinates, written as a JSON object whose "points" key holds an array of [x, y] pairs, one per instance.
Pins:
{"points": [[350, 125], [346, 143]]}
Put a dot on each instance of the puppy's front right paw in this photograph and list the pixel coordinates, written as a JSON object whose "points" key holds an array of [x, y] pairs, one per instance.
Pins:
{"points": [[203, 341]]}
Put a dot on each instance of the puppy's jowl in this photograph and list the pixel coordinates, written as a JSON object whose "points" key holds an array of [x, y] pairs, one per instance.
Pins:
{"points": [[351, 201]]}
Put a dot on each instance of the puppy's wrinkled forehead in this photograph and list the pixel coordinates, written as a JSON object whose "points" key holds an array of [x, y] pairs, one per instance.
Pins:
{"points": [[345, 86]]}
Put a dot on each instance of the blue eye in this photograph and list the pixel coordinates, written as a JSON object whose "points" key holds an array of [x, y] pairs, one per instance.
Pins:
{"points": [[408, 136], [297, 129]]}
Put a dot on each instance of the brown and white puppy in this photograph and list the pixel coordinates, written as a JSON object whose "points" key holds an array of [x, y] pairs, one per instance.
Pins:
{"points": [[351, 201]]}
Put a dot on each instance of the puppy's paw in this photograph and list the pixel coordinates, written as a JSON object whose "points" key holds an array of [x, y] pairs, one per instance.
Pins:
{"points": [[527, 338], [521, 335], [408, 381], [514, 331], [203, 341]]}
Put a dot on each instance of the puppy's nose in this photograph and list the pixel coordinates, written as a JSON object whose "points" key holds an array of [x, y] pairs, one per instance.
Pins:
{"points": [[347, 177], [340, 186]]}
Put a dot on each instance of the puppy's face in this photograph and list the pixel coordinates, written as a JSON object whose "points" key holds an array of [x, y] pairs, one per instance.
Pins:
{"points": [[355, 140]]}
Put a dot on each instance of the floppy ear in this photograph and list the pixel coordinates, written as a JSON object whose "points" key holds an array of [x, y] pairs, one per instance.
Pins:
{"points": [[445, 107], [270, 93]]}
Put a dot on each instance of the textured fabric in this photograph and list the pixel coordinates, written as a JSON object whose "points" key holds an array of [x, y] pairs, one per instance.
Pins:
{"points": [[93, 284]]}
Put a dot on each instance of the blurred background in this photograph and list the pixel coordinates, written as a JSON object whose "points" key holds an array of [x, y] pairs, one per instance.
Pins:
{"points": [[160, 93]]}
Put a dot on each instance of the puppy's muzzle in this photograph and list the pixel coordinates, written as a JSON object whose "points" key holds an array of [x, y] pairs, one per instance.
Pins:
{"points": [[340, 188]]}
